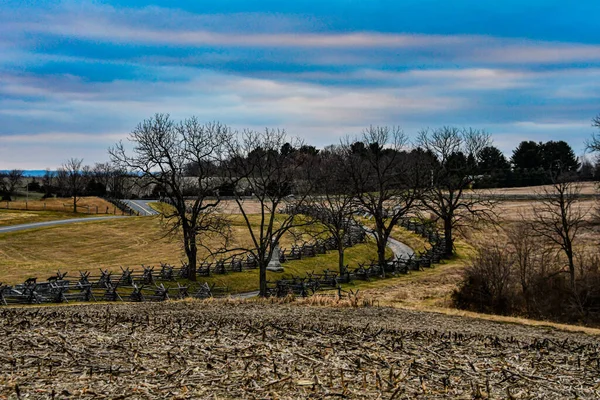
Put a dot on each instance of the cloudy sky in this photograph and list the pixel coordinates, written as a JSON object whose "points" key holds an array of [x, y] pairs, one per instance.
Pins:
{"points": [[77, 76]]}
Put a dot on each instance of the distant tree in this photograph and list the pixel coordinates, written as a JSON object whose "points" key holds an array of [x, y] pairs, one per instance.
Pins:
{"points": [[34, 185], [306, 149], [594, 143], [527, 155], [333, 198], [586, 171], [9, 183], [48, 183], [110, 180], [287, 149], [73, 181], [452, 177], [163, 149], [558, 218], [558, 156], [277, 182], [490, 159], [597, 169], [385, 180]]}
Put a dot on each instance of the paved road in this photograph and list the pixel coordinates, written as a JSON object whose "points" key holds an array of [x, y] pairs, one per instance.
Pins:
{"points": [[141, 206], [33, 225], [399, 249]]}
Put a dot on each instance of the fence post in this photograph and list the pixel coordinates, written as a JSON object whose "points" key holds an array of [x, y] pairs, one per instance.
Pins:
{"points": [[115, 210]]}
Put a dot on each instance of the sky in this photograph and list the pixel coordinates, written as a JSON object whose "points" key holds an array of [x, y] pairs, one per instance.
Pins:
{"points": [[77, 76]]}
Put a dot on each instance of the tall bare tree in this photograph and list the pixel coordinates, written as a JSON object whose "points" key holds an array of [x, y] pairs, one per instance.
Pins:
{"points": [[333, 200], [277, 181], [385, 181], [452, 173], [71, 176], [558, 218], [163, 151]]}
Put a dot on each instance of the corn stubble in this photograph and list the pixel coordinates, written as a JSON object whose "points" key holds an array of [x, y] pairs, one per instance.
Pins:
{"points": [[253, 349]]}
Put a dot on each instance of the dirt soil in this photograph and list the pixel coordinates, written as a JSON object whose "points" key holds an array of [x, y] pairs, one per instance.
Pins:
{"points": [[229, 349]]}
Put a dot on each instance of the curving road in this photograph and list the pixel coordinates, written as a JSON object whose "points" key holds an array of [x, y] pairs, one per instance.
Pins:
{"points": [[399, 249], [141, 206], [33, 225]]}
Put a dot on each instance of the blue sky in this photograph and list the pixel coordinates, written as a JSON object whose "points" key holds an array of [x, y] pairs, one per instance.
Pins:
{"points": [[77, 76]]}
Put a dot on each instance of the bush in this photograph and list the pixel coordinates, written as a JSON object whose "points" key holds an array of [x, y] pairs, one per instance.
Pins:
{"points": [[507, 279], [488, 284]]}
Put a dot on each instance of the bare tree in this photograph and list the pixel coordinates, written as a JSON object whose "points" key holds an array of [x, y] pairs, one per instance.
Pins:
{"points": [[277, 181], [452, 173], [558, 218], [333, 201], [71, 176], [162, 151], [48, 182], [385, 181], [9, 182], [594, 143]]}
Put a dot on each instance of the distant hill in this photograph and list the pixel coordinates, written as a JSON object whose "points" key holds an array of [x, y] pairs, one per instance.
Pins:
{"points": [[31, 172]]}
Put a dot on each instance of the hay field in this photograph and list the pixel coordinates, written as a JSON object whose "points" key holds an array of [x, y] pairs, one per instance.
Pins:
{"points": [[17, 217], [131, 242], [85, 205]]}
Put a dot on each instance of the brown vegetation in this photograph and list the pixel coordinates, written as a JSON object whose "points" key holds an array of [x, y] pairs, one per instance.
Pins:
{"points": [[232, 349], [85, 205]]}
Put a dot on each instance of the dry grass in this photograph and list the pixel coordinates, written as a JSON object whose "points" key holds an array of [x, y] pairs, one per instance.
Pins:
{"points": [[16, 217], [517, 210], [586, 188], [431, 287], [126, 242], [131, 242], [85, 205]]}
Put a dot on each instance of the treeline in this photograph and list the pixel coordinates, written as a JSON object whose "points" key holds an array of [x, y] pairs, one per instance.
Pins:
{"points": [[71, 179], [378, 175], [532, 164]]}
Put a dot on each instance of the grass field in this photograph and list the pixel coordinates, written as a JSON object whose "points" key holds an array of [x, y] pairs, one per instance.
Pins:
{"points": [[131, 242], [248, 280], [16, 217], [85, 205]]}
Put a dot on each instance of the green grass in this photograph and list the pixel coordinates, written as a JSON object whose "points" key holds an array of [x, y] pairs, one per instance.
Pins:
{"points": [[247, 281], [131, 242]]}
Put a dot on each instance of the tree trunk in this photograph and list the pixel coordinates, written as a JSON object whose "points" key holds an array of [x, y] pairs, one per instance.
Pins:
{"points": [[262, 278], [448, 239], [191, 251], [381, 246], [571, 269]]}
